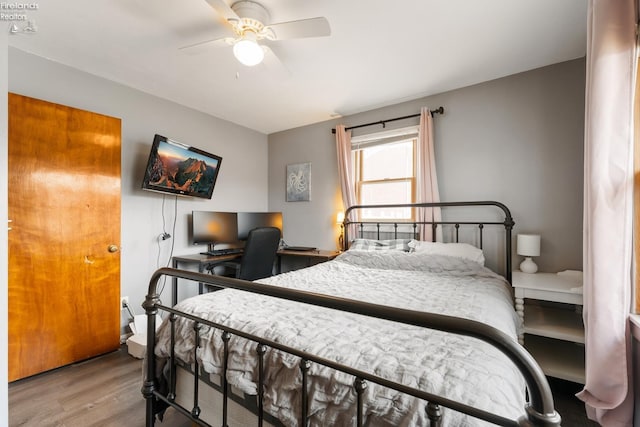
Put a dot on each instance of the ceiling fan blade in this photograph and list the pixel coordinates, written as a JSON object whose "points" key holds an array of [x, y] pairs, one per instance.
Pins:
{"points": [[205, 45], [273, 64], [223, 9], [312, 27]]}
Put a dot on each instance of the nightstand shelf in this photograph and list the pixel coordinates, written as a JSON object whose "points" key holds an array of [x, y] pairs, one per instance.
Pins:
{"points": [[555, 323], [558, 359], [550, 307]]}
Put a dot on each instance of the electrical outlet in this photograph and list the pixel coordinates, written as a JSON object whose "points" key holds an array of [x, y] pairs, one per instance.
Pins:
{"points": [[124, 301]]}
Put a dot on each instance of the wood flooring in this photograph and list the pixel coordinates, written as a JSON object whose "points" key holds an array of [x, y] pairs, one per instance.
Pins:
{"points": [[105, 392]]}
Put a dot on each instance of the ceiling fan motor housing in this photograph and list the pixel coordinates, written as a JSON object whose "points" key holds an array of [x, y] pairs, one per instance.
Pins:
{"points": [[253, 16]]}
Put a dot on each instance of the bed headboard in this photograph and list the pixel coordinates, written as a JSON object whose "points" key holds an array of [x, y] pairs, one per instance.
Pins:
{"points": [[461, 222]]}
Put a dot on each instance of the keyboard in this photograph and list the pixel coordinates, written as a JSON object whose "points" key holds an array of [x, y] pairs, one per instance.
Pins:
{"points": [[299, 248], [227, 251]]}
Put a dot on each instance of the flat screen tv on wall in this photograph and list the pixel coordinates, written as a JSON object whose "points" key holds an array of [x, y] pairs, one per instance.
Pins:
{"points": [[180, 169]]}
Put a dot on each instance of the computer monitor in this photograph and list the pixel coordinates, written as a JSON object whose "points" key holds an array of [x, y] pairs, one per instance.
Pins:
{"points": [[209, 228], [247, 221]]}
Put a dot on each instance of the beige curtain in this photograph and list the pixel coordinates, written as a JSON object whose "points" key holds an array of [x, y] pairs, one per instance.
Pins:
{"points": [[608, 204], [426, 179], [345, 172]]}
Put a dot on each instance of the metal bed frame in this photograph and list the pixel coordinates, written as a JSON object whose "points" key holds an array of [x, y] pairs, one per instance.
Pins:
{"points": [[539, 411], [363, 225]]}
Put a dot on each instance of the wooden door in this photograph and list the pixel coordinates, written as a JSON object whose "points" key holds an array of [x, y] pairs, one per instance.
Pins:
{"points": [[64, 259]]}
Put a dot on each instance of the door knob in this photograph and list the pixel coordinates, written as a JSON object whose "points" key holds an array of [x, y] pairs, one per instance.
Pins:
{"points": [[113, 248]]}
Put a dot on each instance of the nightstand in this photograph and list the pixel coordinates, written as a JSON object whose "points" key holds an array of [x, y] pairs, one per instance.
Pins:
{"points": [[550, 307]]}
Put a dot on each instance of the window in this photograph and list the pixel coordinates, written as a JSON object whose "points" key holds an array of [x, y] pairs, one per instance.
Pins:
{"points": [[384, 174]]}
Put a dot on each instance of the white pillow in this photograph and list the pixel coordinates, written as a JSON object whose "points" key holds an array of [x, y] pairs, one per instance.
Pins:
{"points": [[380, 245], [461, 250]]}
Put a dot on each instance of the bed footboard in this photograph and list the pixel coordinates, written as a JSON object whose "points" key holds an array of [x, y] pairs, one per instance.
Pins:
{"points": [[539, 411]]}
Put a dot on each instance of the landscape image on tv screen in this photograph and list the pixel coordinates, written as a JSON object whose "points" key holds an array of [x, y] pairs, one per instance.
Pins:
{"points": [[179, 169]]}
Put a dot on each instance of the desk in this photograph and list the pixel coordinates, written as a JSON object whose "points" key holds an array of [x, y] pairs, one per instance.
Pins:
{"points": [[312, 257], [202, 261]]}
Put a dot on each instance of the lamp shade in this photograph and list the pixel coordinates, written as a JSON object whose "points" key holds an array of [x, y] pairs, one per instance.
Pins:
{"points": [[528, 245], [340, 217]]}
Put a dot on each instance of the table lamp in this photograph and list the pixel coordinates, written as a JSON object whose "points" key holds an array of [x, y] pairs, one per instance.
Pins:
{"points": [[340, 220], [528, 246]]}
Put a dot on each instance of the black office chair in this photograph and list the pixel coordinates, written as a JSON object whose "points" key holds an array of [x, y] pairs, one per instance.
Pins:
{"points": [[258, 256]]}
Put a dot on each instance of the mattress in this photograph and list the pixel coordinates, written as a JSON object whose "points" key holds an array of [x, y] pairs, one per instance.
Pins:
{"points": [[457, 367]]}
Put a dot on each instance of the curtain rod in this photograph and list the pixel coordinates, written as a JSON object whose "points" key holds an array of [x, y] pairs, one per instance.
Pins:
{"points": [[439, 110]]}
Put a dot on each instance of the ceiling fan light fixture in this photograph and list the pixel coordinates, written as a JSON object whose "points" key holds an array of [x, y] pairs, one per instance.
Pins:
{"points": [[248, 52]]}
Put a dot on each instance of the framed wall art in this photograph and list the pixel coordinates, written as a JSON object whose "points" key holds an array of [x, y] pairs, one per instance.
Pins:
{"points": [[299, 182]]}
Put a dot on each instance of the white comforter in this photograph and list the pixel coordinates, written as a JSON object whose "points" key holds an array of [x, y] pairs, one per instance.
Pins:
{"points": [[460, 368]]}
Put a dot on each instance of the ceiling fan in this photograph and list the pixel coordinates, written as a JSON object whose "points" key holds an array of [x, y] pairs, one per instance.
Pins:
{"points": [[250, 24]]}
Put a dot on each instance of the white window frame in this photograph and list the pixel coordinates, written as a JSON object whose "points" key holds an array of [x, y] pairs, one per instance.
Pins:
{"points": [[379, 138]]}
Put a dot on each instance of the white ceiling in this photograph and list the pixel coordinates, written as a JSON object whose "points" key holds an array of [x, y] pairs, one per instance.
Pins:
{"points": [[379, 53]]}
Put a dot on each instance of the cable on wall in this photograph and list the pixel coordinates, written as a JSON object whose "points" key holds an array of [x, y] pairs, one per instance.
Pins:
{"points": [[166, 236]]}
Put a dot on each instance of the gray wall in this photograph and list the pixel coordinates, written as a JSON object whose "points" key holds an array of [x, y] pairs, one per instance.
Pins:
{"points": [[238, 188], [517, 140]]}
